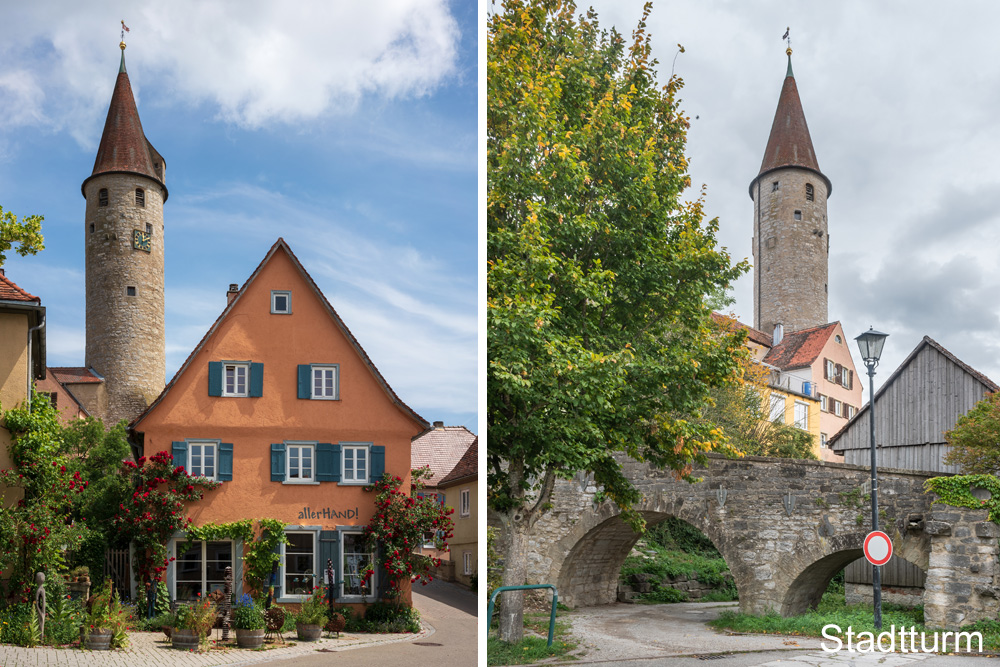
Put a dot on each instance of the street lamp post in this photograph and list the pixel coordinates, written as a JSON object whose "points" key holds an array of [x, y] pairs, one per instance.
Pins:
{"points": [[871, 343]]}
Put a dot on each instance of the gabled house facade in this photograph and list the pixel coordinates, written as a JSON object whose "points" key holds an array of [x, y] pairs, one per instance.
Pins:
{"points": [[280, 403], [462, 486]]}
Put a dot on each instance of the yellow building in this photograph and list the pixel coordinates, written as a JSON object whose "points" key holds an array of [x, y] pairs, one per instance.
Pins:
{"points": [[462, 487]]}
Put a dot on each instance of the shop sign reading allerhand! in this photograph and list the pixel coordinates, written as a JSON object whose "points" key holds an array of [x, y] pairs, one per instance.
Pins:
{"points": [[328, 513]]}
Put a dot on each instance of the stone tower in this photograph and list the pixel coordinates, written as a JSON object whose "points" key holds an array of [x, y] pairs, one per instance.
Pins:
{"points": [[790, 242], [123, 236]]}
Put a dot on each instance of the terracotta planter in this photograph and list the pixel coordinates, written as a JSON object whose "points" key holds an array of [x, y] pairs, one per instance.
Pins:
{"points": [[308, 632], [99, 639], [184, 639], [249, 638]]}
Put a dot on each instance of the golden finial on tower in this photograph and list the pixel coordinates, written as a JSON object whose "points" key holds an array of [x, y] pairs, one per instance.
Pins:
{"points": [[124, 30], [788, 39]]}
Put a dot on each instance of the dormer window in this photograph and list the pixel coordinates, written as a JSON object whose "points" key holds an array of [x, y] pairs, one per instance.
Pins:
{"points": [[140, 197], [809, 192], [102, 197]]}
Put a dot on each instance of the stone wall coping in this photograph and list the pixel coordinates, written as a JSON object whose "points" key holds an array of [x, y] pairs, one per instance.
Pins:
{"points": [[829, 464]]}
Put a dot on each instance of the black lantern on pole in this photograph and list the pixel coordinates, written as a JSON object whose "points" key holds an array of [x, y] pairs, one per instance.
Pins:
{"points": [[870, 343]]}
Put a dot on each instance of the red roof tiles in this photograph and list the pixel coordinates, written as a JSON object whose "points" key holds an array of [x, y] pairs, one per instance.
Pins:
{"points": [[800, 348], [755, 335], [75, 375], [467, 466], [442, 449], [9, 291]]}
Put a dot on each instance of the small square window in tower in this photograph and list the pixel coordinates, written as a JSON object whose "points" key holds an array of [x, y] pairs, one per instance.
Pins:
{"points": [[140, 197], [809, 192], [102, 197], [774, 186], [130, 291], [281, 302], [798, 215]]}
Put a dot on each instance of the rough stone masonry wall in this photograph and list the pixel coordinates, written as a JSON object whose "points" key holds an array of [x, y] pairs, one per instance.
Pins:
{"points": [[962, 575], [125, 334], [781, 559], [790, 256]]}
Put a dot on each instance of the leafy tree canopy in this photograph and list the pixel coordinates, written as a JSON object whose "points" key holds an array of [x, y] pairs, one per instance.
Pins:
{"points": [[976, 438], [26, 232]]}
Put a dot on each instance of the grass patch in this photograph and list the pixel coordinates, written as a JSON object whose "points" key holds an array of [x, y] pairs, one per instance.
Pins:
{"points": [[663, 562], [533, 647]]}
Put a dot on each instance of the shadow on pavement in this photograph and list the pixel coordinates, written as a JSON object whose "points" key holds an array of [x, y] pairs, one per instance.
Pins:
{"points": [[449, 594]]}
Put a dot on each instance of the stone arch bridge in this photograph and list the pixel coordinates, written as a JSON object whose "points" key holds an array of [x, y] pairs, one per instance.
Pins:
{"points": [[785, 528]]}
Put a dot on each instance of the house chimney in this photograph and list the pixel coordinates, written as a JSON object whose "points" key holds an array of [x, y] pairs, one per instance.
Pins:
{"points": [[2, 272], [234, 289], [779, 333], [438, 424]]}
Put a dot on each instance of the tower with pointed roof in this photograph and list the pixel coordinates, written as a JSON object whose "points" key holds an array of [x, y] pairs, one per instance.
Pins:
{"points": [[790, 241], [123, 236]]}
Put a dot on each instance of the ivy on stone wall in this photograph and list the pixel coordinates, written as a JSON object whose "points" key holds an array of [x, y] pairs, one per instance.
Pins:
{"points": [[957, 491], [260, 546]]}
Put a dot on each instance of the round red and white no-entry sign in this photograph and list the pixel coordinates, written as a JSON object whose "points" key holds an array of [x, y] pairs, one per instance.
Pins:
{"points": [[878, 548]]}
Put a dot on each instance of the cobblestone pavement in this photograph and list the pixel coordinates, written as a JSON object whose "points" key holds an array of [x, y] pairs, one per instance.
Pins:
{"points": [[152, 648]]}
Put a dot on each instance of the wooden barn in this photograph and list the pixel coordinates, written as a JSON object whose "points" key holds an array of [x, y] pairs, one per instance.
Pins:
{"points": [[916, 405]]}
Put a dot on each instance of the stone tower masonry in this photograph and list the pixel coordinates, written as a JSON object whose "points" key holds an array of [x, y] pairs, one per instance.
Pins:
{"points": [[790, 242], [123, 236]]}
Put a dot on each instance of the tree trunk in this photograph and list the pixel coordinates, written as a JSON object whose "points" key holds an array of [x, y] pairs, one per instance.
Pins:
{"points": [[513, 546]]}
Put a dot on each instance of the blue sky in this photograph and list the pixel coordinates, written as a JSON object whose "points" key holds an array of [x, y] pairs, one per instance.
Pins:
{"points": [[349, 129]]}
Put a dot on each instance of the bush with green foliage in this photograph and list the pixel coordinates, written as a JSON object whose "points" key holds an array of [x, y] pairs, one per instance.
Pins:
{"points": [[389, 617], [107, 612], [247, 615], [19, 625], [313, 609]]}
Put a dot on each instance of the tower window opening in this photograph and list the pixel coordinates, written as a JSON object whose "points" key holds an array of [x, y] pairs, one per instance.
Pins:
{"points": [[91, 228], [102, 197], [140, 197], [130, 291], [149, 229], [809, 192], [798, 215], [774, 186]]}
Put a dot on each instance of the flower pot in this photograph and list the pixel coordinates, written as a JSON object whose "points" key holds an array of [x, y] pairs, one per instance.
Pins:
{"points": [[249, 638], [184, 639], [308, 632], [99, 639]]}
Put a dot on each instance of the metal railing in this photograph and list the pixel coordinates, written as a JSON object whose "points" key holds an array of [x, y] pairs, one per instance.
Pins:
{"points": [[552, 616]]}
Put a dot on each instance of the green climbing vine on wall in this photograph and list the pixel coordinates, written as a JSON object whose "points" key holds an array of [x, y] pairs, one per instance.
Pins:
{"points": [[957, 491], [260, 546]]}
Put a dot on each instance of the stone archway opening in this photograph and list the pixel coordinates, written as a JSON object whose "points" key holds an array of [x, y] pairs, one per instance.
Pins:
{"points": [[590, 572], [806, 590]]}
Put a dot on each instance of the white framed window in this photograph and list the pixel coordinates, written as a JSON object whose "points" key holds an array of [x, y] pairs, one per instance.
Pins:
{"points": [[831, 370], [468, 558], [298, 575], [777, 409], [822, 440], [838, 408], [851, 410], [355, 462], [464, 503], [203, 459], [281, 302], [326, 382], [200, 567], [801, 416], [845, 378], [301, 462], [824, 403], [234, 379], [356, 560]]}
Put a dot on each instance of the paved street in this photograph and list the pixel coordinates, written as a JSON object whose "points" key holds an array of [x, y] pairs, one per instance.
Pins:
{"points": [[675, 635], [448, 639]]}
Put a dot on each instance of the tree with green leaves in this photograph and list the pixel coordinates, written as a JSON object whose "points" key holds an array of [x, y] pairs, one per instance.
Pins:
{"points": [[26, 232], [975, 440], [600, 340]]}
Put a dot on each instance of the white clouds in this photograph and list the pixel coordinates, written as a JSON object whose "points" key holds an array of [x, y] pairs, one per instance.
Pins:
{"points": [[256, 61]]}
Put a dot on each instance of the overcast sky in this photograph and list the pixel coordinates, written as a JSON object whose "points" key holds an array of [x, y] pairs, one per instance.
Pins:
{"points": [[348, 128], [903, 106]]}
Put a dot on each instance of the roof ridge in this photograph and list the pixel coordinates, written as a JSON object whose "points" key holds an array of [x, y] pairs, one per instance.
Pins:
{"points": [[19, 290]]}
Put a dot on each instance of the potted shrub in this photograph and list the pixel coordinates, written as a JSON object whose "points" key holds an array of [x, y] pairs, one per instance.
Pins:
{"points": [[311, 618], [194, 623], [106, 623], [248, 619]]}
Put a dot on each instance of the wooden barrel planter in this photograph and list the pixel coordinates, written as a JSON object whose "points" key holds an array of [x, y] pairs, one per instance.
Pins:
{"points": [[308, 632], [184, 639], [98, 639], [249, 638]]}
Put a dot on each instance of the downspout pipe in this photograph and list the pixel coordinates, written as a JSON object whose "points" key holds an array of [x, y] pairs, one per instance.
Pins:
{"points": [[31, 330]]}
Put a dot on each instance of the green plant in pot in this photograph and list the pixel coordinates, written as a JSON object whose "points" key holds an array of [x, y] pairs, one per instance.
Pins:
{"points": [[312, 617], [248, 619], [106, 624], [193, 625]]}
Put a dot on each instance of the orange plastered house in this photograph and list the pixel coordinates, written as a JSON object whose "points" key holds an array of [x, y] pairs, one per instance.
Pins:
{"points": [[280, 403]]}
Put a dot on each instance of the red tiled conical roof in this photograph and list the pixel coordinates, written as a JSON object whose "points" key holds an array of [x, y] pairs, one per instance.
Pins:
{"points": [[789, 144], [124, 147]]}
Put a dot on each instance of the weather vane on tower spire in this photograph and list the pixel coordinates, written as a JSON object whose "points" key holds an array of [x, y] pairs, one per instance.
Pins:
{"points": [[124, 30], [784, 37]]}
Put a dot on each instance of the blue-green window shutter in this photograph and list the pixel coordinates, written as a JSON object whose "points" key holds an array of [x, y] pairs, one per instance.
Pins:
{"points": [[215, 378], [225, 461], [278, 462], [378, 463], [329, 549], [325, 470], [256, 380], [305, 381], [180, 453], [336, 463], [276, 579]]}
